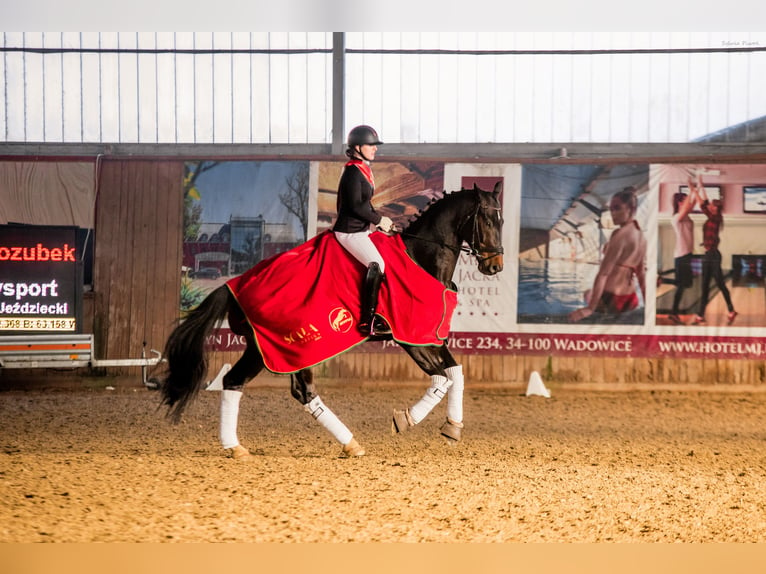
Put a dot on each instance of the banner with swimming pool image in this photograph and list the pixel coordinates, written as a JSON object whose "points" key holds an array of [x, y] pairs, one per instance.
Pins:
{"points": [[583, 244]]}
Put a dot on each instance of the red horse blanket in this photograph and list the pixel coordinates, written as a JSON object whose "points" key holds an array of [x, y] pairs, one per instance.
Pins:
{"points": [[303, 305]]}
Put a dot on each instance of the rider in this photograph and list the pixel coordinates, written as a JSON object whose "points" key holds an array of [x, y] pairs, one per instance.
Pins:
{"points": [[355, 214]]}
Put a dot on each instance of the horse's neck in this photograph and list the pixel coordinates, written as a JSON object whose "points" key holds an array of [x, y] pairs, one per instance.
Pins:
{"points": [[441, 263], [434, 244]]}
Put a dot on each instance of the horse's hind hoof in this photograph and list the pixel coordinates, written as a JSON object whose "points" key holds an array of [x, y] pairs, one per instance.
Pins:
{"points": [[451, 430], [401, 421], [353, 448], [239, 452]]}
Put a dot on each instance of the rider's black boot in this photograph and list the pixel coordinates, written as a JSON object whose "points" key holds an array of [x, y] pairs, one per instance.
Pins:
{"points": [[369, 324]]}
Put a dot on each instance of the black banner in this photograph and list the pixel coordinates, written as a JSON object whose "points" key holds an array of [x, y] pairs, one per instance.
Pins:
{"points": [[41, 281]]}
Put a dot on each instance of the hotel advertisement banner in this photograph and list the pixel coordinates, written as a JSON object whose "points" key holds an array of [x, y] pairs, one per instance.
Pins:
{"points": [[559, 220]]}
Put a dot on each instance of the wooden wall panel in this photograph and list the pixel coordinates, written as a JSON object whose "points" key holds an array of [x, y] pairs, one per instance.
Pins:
{"points": [[137, 270], [47, 192]]}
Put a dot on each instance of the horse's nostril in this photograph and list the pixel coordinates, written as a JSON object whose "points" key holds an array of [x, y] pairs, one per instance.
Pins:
{"points": [[491, 268]]}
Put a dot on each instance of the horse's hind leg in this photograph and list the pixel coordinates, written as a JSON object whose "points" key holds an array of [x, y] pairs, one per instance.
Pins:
{"points": [[303, 390], [247, 367]]}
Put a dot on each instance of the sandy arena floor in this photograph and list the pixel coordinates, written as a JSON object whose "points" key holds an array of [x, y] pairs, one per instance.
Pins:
{"points": [[87, 464]]}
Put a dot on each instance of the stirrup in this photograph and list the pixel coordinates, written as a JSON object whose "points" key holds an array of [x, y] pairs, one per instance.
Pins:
{"points": [[377, 327], [364, 329], [380, 327], [401, 421]]}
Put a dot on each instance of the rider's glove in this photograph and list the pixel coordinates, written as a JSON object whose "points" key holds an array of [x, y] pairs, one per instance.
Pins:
{"points": [[385, 224]]}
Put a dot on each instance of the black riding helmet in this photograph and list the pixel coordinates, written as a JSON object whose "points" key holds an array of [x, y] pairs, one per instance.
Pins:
{"points": [[361, 135]]}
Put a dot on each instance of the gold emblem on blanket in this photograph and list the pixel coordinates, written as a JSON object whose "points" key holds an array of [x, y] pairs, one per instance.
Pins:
{"points": [[341, 320]]}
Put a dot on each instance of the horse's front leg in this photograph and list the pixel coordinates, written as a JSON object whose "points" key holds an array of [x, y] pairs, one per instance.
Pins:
{"points": [[303, 390], [453, 426], [446, 380]]}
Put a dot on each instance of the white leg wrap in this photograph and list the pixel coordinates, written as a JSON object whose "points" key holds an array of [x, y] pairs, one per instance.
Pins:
{"points": [[229, 415], [439, 387], [317, 409], [455, 396]]}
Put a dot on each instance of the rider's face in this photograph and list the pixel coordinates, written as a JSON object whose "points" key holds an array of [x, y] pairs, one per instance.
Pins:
{"points": [[368, 151]]}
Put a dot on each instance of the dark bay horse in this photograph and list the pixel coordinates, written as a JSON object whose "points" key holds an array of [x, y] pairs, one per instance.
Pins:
{"points": [[434, 239]]}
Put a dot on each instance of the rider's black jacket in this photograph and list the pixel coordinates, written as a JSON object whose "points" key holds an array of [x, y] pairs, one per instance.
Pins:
{"points": [[355, 211]]}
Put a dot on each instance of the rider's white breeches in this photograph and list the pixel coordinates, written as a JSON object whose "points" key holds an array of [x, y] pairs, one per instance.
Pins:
{"points": [[361, 247]]}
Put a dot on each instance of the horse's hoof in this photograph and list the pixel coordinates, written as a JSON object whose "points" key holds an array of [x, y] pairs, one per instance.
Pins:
{"points": [[401, 421], [239, 452], [452, 430], [353, 448]]}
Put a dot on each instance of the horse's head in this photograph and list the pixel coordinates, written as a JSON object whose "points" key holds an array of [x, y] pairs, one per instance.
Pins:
{"points": [[483, 230], [441, 231]]}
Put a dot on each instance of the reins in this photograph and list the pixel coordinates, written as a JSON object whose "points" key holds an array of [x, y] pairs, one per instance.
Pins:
{"points": [[454, 248]]}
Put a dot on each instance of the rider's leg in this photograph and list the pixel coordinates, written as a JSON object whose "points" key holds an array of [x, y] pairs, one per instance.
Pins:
{"points": [[361, 247], [372, 282]]}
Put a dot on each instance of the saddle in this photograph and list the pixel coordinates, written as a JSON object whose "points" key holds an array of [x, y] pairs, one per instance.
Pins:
{"points": [[303, 305]]}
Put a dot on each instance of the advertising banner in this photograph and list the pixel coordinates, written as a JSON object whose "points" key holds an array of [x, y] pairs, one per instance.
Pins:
{"points": [[40, 280], [594, 259]]}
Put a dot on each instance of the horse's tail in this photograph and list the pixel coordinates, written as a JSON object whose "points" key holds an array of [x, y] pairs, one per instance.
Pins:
{"points": [[186, 355]]}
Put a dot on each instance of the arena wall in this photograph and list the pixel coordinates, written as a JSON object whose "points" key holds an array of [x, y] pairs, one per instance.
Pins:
{"points": [[137, 206]]}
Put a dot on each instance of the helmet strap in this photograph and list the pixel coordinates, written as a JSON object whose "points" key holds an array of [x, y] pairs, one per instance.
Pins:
{"points": [[356, 152], [359, 151]]}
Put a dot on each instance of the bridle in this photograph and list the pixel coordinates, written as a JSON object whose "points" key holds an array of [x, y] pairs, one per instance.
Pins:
{"points": [[489, 253], [481, 255]]}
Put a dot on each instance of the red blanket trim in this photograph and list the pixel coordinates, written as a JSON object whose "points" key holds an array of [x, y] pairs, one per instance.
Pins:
{"points": [[303, 305]]}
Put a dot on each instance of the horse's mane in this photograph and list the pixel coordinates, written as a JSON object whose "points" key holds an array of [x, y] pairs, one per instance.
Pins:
{"points": [[440, 201]]}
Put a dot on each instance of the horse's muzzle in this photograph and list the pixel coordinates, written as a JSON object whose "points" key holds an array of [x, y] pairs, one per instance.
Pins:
{"points": [[491, 265]]}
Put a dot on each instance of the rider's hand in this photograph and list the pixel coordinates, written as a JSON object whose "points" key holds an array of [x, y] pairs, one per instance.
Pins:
{"points": [[385, 224]]}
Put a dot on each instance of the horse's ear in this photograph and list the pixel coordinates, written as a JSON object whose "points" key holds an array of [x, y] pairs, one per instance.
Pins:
{"points": [[475, 187], [498, 187]]}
